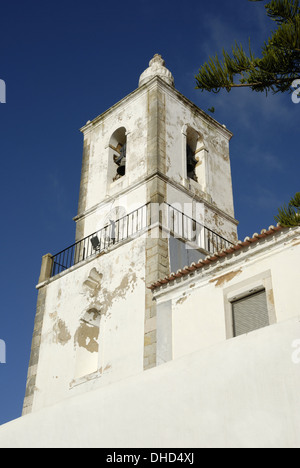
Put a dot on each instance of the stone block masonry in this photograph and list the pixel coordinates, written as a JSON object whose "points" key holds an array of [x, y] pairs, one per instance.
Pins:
{"points": [[157, 248], [83, 189], [35, 351], [157, 266]]}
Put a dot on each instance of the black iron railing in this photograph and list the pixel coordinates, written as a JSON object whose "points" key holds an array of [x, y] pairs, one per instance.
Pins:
{"points": [[199, 236], [172, 221], [113, 233]]}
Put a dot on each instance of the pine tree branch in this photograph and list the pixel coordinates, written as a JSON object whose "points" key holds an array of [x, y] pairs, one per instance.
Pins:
{"points": [[275, 70], [289, 216], [261, 83]]}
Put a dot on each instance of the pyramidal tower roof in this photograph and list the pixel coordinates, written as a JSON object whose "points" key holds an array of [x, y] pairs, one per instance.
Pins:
{"points": [[157, 68]]}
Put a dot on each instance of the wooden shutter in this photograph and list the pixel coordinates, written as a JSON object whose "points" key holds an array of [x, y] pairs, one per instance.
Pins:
{"points": [[250, 313]]}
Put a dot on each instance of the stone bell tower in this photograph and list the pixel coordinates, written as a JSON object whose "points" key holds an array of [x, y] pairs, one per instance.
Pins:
{"points": [[155, 195]]}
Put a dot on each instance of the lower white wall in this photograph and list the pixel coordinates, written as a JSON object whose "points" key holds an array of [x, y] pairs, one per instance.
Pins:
{"points": [[242, 393]]}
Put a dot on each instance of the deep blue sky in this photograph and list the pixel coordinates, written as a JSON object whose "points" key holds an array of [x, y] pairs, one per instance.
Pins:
{"points": [[65, 63]]}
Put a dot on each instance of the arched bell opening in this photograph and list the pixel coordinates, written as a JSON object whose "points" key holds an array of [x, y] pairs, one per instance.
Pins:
{"points": [[117, 153], [193, 143]]}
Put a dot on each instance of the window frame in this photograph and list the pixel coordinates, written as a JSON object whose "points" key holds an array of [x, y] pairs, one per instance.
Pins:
{"points": [[236, 318], [248, 287]]}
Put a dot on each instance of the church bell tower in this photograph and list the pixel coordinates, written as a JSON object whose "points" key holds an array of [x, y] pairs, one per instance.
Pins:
{"points": [[155, 195]]}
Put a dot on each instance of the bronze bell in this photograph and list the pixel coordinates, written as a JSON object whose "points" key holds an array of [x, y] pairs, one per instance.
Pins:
{"points": [[121, 161], [122, 167], [191, 160], [190, 167]]}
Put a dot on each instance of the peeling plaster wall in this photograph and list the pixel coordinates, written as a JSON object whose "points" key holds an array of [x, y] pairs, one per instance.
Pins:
{"points": [[154, 117], [200, 303], [130, 113], [112, 284]]}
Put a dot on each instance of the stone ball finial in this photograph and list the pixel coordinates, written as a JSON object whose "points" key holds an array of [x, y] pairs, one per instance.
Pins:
{"points": [[157, 68], [157, 59]]}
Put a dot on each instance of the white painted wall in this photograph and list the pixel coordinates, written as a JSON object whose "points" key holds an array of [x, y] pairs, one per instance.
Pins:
{"points": [[130, 113], [205, 213], [199, 304], [120, 298], [181, 113], [134, 114], [243, 393], [121, 295], [128, 202]]}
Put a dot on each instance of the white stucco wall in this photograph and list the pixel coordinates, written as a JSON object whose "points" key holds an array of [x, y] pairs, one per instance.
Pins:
{"points": [[243, 393], [124, 202], [215, 391], [130, 113], [155, 117], [180, 114], [205, 213], [198, 305], [120, 298]]}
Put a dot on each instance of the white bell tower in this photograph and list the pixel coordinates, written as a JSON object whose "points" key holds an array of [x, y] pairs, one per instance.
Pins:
{"points": [[155, 195]]}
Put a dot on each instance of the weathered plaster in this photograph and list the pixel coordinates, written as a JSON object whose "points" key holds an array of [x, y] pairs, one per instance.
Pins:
{"points": [[86, 337], [35, 352], [221, 280], [111, 286], [201, 303], [153, 118], [61, 334]]}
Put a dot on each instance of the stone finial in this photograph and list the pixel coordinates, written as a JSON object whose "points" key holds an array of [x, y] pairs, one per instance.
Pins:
{"points": [[157, 68]]}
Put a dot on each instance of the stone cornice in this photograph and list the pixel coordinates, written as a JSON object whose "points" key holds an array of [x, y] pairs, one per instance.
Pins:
{"points": [[166, 179], [172, 92]]}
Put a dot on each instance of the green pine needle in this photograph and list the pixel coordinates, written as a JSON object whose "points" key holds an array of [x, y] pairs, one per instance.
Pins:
{"points": [[275, 70]]}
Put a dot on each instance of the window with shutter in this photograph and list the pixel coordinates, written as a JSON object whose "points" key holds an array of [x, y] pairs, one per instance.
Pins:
{"points": [[250, 313]]}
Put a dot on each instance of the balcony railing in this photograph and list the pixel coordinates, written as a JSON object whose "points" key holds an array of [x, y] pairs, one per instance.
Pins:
{"points": [[184, 227], [171, 220], [113, 233]]}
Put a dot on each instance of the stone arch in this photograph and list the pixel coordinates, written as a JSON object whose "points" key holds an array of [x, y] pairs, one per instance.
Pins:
{"points": [[194, 156], [194, 142], [117, 154]]}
